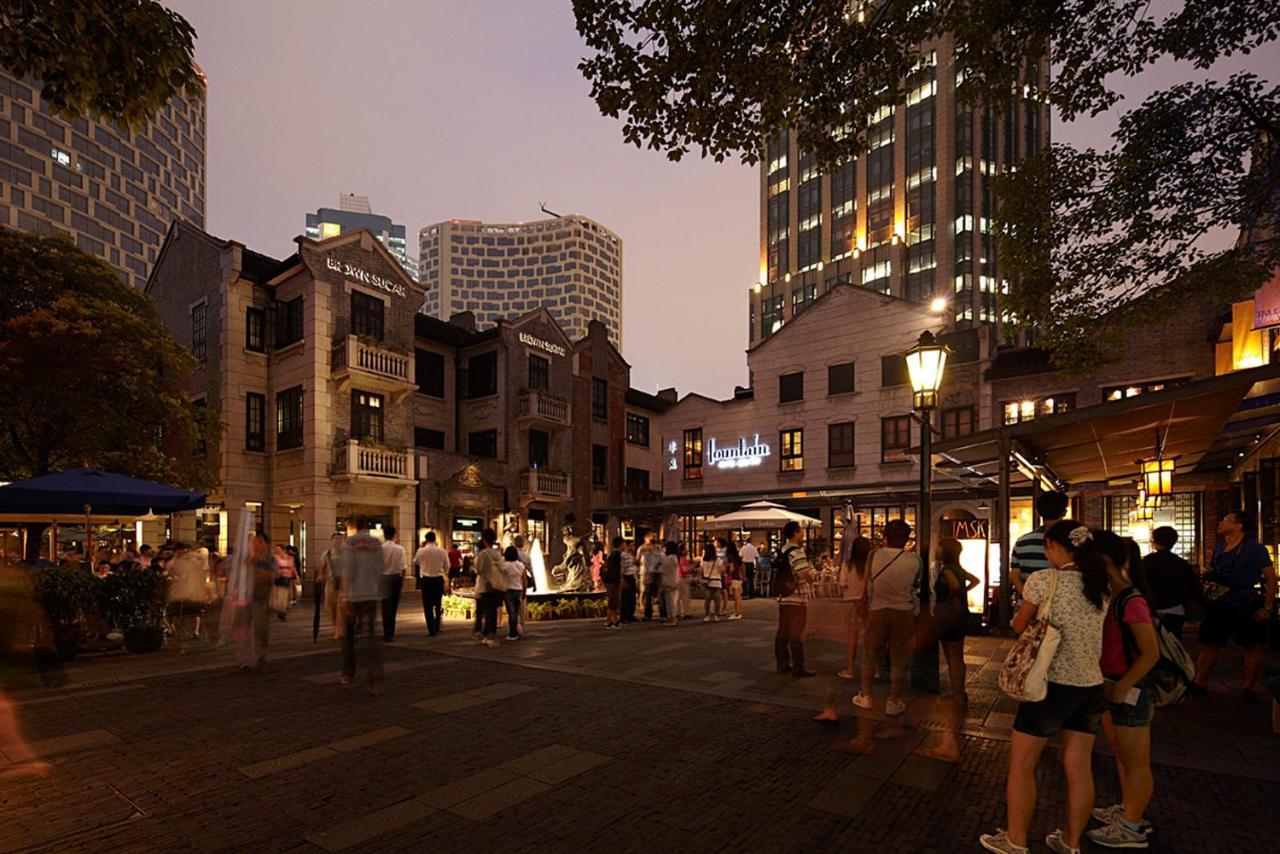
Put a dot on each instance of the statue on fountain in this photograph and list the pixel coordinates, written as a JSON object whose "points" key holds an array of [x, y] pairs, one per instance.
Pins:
{"points": [[573, 574]]}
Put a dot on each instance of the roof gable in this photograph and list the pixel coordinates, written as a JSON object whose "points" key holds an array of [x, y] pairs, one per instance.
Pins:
{"points": [[845, 296]]}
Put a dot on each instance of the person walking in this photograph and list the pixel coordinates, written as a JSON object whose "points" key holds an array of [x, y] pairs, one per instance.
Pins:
{"points": [[630, 582], [712, 572], [530, 581], [1028, 552], [650, 556], [793, 583], [891, 590], [1129, 651], [326, 581], [733, 574], [1173, 583], [1076, 591], [515, 571], [611, 577], [853, 587], [394, 569], [287, 572], [684, 584], [1236, 607], [749, 554], [253, 628], [488, 566], [431, 571], [951, 623], [360, 570], [669, 578]]}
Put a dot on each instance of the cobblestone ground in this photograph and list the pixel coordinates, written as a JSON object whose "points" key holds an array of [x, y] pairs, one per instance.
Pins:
{"points": [[572, 739]]}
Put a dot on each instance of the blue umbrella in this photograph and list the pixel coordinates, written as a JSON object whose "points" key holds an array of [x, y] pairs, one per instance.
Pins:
{"points": [[75, 491]]}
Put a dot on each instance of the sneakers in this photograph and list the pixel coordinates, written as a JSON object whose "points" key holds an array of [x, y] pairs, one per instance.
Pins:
{"points": [[893, 708], [736, 617], [490, 642], [845, 674], [863, 701], [1057, 846], [1115, 812], [999, 843], [1117, 835]]}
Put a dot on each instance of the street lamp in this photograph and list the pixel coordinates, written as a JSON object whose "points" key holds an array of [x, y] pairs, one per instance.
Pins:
{"points": [[926, 363]]}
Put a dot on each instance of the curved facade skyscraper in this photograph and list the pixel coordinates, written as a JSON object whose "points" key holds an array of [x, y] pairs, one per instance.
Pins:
{"points": [[571, 265], [112, 190]]}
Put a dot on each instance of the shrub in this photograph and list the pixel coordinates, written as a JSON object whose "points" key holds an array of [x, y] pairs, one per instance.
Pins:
{"points": [[65, 594], [133, 597]]}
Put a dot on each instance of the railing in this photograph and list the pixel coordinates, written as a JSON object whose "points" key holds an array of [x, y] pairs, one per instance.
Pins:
{"points": [[537, 405], [546, 483], [352, 458], [372, 359]]}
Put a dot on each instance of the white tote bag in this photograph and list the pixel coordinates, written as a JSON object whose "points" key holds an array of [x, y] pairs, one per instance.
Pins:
{"points": [[1025, 674]]}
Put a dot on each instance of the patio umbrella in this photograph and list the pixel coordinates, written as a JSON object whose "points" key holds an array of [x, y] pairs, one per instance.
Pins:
{"points": [[88, 490], [760, 514]]}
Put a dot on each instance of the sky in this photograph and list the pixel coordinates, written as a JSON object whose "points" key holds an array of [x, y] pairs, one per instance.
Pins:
{"points": [[475, 109]]}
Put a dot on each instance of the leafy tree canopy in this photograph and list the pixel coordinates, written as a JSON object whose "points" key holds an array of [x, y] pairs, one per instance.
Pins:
{"points": [[1094, 239], [119, 60], [88, 374]]}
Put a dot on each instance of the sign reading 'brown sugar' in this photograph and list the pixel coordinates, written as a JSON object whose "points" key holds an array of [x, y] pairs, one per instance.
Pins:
{"points": [[363, 276]]}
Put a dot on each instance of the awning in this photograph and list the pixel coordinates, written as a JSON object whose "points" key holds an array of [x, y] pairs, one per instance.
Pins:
{"points": [[759, 514], [83, 491], [1206, 425]]}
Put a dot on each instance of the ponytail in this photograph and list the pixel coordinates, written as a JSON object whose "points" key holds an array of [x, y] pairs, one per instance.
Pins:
{"points": [[1090, 550]]}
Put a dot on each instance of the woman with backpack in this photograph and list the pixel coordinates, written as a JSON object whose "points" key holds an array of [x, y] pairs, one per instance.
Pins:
{"points": [[1074, 594], [1129, 651]]}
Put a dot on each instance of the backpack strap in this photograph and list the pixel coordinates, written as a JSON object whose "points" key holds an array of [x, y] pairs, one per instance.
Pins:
{"points": [[1118, 605]]}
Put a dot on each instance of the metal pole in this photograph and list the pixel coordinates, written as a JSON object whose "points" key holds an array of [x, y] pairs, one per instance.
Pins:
{"points": [[923, 518], [1006, 548], [924, 672]]}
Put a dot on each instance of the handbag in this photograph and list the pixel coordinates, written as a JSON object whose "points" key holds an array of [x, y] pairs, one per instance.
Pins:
{"points": [[1025, 673], [278, 599]]}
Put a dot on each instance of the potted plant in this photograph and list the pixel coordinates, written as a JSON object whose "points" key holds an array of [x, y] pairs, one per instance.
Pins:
{"points": [[64, 594], [133, 601]]}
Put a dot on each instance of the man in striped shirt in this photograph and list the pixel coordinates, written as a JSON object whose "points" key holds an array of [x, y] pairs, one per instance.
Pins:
{"points": [[1028, 551]]}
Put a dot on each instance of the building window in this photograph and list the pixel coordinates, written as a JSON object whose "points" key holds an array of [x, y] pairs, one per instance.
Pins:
{"points": [[366, 415], [599, 398], [895, 438], [791, 387], [792, 443], [693, 454], [840, 445], [599, 465], [1119, 392], [198, 331], [959, 421], [893, 370], [288, 322], [539, 449], [539, 373], [289, 419], [483, 443], [1017, 411], [367, 315], [255, 330], [840, 378], [637, 481], [637, 429], [425, 437], [429, 368], [255, 421], [770, 316], [482, 375]]}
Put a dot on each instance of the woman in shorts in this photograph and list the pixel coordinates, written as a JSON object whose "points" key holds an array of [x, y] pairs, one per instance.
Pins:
{"points": [[1075, 700]]}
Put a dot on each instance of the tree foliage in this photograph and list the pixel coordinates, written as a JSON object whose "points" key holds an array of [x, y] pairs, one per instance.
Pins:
{"points": [[88, 374], [1094, 239], [119, 60]]}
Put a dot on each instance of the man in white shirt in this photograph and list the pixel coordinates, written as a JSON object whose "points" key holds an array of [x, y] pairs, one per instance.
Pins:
{"points": [[393, 570], [749, 554], [431, 569], [891, 587]]}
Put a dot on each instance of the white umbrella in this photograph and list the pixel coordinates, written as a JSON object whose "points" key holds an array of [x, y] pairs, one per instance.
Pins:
{"points": [[760, 514]]}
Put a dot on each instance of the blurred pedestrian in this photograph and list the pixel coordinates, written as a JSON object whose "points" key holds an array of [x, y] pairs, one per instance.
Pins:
{"points": [[793, 584], [749, 554], [488, 565], [950, 603], [853, 593], [733, 577], [630, 582], [288, 573], [253, 617], [669, 569], [515, 571], [360, 575], [684, 585], [611, 577], [650, 557], [326, 583], [394, 569], [712, 574], [891, 589]]}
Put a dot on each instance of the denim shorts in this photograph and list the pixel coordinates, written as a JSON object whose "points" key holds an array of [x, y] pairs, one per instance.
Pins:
{"points": [[1137, 715], [1072, 707]]}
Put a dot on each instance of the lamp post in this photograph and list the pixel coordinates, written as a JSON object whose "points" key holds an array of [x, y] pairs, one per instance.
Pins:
{"points": [[926, 363]]}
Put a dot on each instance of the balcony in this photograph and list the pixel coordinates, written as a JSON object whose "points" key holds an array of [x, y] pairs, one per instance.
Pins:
{"points": [[542, 485], [353, 461], [536, 406], [373, 367]]}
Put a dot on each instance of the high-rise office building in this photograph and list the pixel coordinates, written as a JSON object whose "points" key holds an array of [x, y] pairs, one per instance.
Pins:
{"points": [[112, 190], [354, 212], [911, 217], [570, 264]]}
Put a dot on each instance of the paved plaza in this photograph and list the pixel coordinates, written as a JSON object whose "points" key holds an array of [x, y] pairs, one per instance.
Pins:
{"points": [[573, 739]]}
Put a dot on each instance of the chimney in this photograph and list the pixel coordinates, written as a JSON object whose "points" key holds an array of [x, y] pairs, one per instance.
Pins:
{"points": [[668, 394], [464, 320]]}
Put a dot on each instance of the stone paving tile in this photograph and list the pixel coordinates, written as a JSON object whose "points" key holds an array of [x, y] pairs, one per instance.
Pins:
{"points": [[496, 800], [47, 747], [287, 762], [370, 826], [55, 698], [920, 772], [368, 739], [568, 768], [539, 758], [468, 787]]}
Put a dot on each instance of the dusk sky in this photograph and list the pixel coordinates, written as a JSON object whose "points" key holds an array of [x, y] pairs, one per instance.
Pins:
{"points": [[475, 109]]}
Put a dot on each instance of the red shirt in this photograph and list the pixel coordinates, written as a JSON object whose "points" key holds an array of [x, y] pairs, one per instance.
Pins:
{"points": [[1114, 663], [455, 559]]}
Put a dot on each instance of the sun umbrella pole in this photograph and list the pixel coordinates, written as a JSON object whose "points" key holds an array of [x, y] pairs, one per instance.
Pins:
{"points": [[88, 535]]}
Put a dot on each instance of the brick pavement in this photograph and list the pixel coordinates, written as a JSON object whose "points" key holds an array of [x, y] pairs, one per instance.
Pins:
{"points": [[574, 738]]}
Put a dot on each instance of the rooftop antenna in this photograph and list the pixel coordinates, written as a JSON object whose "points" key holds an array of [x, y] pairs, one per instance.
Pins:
{"points": [[543, 205]]}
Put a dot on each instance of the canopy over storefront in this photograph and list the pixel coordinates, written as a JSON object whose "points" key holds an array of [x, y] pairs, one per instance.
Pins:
{"points": [[77, 493], [759, 514], [1204, 424]]}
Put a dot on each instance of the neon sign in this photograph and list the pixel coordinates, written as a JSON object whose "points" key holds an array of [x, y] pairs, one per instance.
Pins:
{"points": [[546, 346], [740, 455], [360, 275]]}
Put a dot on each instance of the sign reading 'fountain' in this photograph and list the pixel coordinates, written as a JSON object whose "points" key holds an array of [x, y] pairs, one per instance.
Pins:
{"points": [[737, 456]]}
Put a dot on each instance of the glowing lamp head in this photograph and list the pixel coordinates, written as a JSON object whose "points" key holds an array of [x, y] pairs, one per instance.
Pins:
{"points": [[926, 363], [1157, 476], [938, 305], [757, 287]]}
